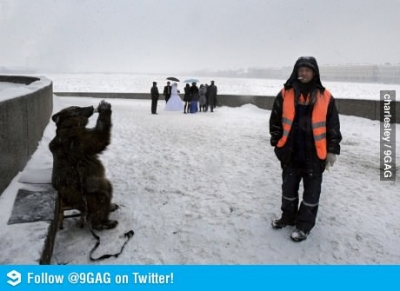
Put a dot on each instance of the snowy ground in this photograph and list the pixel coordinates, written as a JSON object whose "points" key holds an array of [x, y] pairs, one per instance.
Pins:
{"points": [[203, 188]]}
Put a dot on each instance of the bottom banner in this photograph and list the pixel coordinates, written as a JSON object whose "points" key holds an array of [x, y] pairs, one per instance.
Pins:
{"points": [[198, 278]]}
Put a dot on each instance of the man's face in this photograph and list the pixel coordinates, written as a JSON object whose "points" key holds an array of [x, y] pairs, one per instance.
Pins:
{"points": [[305, 74]]}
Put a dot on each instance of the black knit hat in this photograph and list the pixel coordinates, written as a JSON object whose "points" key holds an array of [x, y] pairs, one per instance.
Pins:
{"points": [[309, 62]]}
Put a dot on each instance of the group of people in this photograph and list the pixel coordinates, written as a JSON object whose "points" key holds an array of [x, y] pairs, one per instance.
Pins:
{"points": [[305, 132], [195, 99]]}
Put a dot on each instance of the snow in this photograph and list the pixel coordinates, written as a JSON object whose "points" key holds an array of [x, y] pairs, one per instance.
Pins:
{"points": [[126, 83], [10, 90], [203, 188]]}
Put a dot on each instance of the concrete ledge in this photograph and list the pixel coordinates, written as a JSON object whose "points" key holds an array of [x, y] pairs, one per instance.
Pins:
{"points": [[22, 121], [48, 247], [362, 108], [29, 225]]}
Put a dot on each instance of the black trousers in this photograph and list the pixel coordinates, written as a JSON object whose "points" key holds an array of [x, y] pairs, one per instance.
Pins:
{"points": [[306, 214], [211, 103], [154, 105]]}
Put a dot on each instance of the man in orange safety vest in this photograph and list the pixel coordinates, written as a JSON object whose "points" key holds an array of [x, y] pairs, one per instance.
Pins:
{"points": [[305, 133]]}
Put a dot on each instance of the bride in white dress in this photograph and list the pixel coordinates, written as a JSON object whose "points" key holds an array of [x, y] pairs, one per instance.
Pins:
{"points": [[175, 102]]}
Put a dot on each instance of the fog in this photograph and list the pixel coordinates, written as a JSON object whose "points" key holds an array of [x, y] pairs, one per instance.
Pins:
{"points": [[174, 36]]}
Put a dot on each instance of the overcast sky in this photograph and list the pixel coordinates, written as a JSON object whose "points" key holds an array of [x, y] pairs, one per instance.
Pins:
{"points": [[168, 36]]}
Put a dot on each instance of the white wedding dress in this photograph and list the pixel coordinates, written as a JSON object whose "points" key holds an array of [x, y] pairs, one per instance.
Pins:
{"points": [[175, 102]]}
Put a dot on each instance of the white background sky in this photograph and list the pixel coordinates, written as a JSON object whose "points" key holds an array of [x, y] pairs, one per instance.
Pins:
{"points": [[158, 36]]}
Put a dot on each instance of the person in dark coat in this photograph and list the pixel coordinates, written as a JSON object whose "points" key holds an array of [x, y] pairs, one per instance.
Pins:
{"points": [[206, 105], [305, 133], [212, 92], [154, 98], [194, 98], [167, 92], [186, 99], [202, 99]]}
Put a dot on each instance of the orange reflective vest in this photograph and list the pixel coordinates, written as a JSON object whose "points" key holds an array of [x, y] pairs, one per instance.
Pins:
{"points": [[318, 119]]}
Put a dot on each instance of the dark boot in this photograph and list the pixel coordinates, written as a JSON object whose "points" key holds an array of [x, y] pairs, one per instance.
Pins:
{"points": [[299, 235], [282, 222]]}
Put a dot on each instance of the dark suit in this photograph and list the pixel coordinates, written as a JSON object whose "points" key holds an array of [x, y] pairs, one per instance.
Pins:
{"points": [[167, 93], [212, 96], [154, 98]]}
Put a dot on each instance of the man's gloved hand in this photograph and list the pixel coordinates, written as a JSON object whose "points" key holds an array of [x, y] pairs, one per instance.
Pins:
{"points": [[330, 160]]}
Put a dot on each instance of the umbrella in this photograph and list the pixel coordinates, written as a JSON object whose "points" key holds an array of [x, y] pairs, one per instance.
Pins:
{"points": [[173, 79], [191, 81]]}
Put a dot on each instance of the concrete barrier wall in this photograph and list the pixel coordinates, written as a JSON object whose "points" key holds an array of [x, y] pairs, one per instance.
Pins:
{"points": [[23, 118], [362, 108]]}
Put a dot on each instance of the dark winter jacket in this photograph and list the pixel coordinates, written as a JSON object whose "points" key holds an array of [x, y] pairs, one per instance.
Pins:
{"points": [[186, 97], [299, 149], [154, 93], [212, 91], [167, 91], [194, 93]]}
